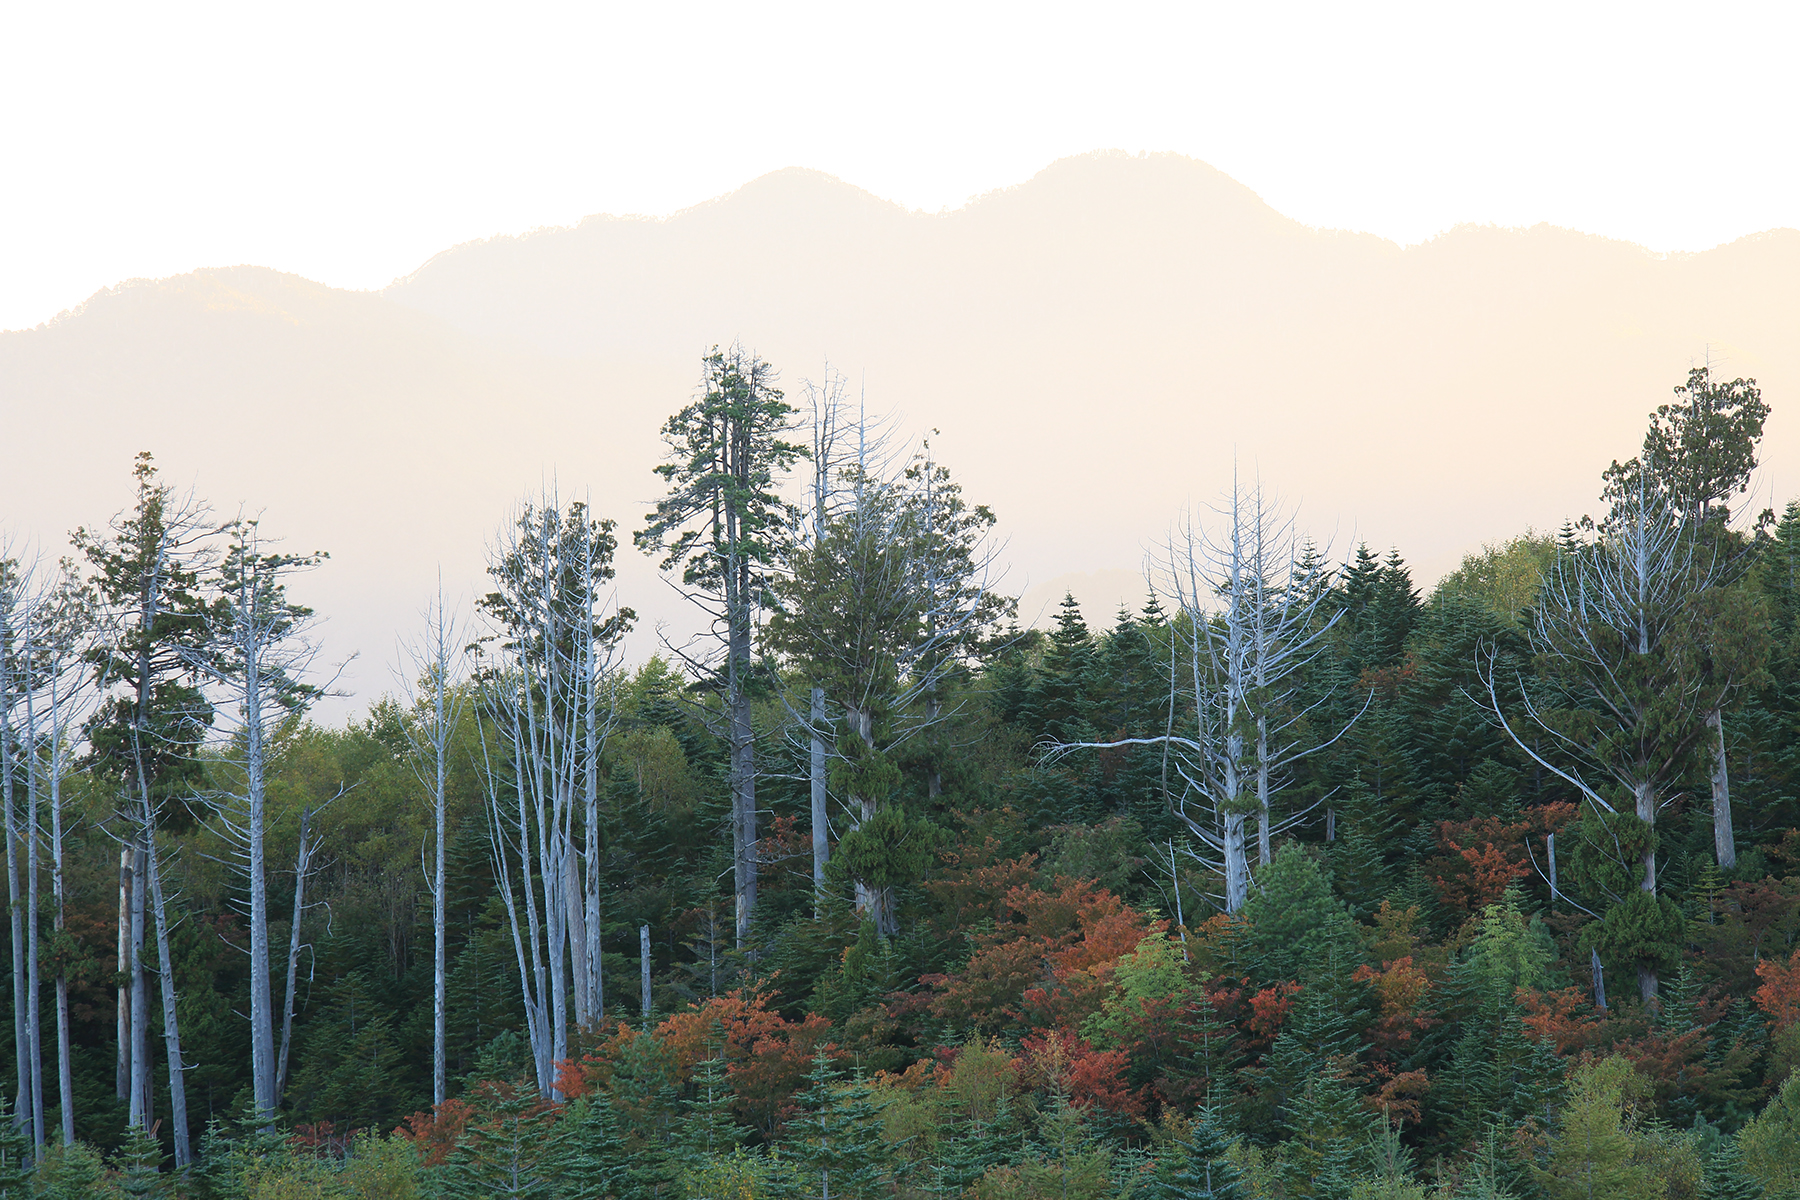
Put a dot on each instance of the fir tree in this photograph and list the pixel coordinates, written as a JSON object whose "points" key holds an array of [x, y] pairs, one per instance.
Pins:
{"points": [[837, 1138], [15, 1155], [1196, 1166], [590, 1159], [1726, 1176], [138, 1165]]}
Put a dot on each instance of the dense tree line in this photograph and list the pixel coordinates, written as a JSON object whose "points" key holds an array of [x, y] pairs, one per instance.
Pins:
{"points": [[1293, 882]]}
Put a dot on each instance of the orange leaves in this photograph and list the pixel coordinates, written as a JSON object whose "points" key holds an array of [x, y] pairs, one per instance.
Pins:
{"points": [[434, 1134], [1779, 995], [1060, 1061], [1399, 1097], [1483, 857], [1567, 1017], [1269, 1009], [1401, 988], [1048, 959]]}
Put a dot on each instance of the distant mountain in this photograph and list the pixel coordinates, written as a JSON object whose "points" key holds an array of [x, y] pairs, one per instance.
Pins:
{"points": [[1097, 345]]}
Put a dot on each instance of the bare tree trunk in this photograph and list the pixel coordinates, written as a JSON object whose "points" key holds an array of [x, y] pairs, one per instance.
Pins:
{"points": [[122, 1082], [821, 815], [590, 942], [1646, 811], [142, 1103], [262, 1014], [34, 1022], [1724, 842], [644, 964], [743, 785], [171, 1025], [439, 945], [21, 1040], [302, 866], [575, 900], [65, 1071]]}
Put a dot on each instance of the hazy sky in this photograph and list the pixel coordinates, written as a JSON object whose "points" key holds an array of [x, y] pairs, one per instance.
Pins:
{"points": [[350, 141]]}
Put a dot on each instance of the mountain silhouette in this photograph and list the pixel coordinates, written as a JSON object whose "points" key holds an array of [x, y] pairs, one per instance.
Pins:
{"points": [[1098, 345]]}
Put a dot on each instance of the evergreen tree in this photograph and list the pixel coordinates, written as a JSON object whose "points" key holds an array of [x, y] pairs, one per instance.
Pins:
{"points": [[15, 1156], [591, 1161], [1196, 1166], [836, 1139], [138, 1165], [1727, 1178], [506, 1152]]}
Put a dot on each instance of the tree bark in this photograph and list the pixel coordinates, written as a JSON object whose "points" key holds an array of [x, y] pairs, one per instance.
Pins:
{"points": [[439, 933], [21, 1041], [821, 816], [142, 1102], [65, 1071], [171, 1024], [1646, 811], [122, 1010], [34, 1023], [262, 1015], [644, 966], [302, 866], [1724, 842]]}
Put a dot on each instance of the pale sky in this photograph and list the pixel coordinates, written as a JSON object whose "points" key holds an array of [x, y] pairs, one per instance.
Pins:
{"points": [[348, 142]]}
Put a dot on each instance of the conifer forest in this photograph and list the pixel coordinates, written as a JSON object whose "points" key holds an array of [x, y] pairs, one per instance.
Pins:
{"points": [[1296, 880]]}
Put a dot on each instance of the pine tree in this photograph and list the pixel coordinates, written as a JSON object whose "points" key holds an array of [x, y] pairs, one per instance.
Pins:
{"points": [[1483, 1179], [1726, 1176], [506, 1153], [837, 1138], [589, 1159], [706, 1126], [1197, 1166], [139, 1167], [15, 1156]]}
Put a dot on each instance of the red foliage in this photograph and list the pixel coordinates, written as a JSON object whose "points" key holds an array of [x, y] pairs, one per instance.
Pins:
{"points": [[1060, 1061], [1399, 1097], [1401, 987], [1269, 1009], [1779, 995], [1048, 960], [435, 1133], [766, 1057], [1567, 1017], [1483, 857]]}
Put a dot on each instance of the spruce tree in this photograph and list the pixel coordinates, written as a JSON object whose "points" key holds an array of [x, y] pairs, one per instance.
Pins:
{"points": [[138, 1165], [589, 1159], [15, 1156], [1727, 1178], [837, 1138], [1196, 1166]]}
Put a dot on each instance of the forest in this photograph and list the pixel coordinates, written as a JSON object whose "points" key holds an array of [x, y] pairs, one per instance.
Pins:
{"points": [[1294, 881]]}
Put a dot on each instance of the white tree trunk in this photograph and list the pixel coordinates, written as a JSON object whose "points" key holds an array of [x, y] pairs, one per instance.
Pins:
{"points": [[1724, 841], [142, 1102], [122, 1080], [65, 1071], [440, 961], [171, 1025], [16, 910], [302, 867], [262, 1008], [821, 814]]}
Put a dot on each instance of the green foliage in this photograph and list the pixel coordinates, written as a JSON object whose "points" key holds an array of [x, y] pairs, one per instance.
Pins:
{"points": [[138, 1167], [71, 1171], [1593, 1153], [1770, 1141], [1298, 925], [1196, 1166], [835, 1140]]}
